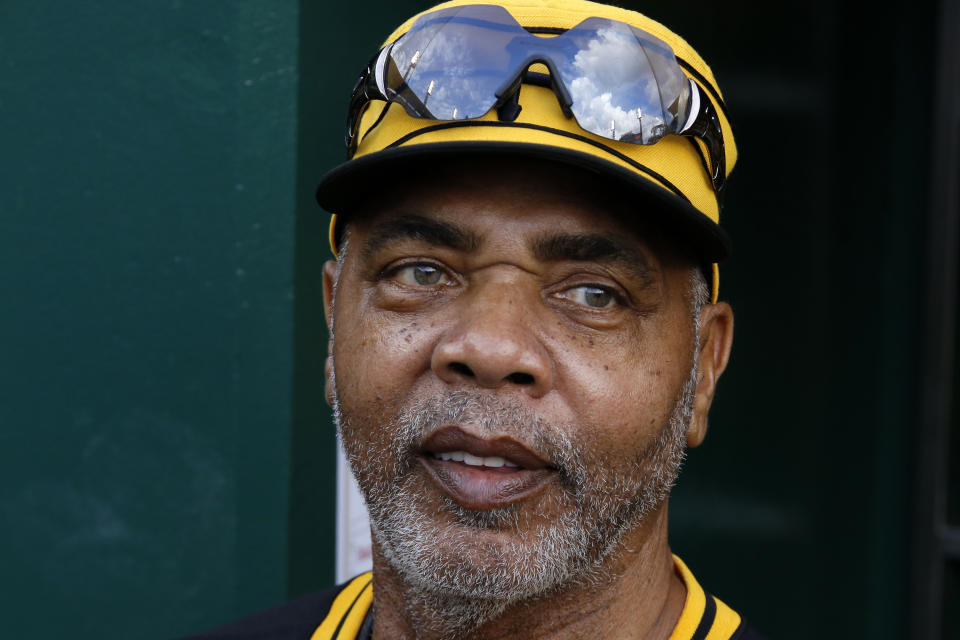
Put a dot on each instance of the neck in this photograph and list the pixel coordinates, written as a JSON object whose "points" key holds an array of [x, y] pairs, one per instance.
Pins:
{"points": [[633, 594]]}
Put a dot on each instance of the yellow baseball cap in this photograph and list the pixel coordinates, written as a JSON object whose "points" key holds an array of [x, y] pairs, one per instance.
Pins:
{"points": [[671, 177]]}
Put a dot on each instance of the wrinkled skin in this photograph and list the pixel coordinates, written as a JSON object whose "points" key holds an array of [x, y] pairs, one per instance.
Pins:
{"points": [[514, 298]]}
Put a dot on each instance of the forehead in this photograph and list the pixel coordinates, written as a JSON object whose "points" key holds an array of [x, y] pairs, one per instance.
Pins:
{"points": [[514, 201]]}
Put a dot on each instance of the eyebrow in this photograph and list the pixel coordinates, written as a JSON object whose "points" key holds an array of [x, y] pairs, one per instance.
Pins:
{"points": [[592, 247], [422, 229], [550, 247]]}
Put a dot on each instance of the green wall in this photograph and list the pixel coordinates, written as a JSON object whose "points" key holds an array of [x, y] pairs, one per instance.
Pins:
{"points": [[166, 458], [147, 207]]}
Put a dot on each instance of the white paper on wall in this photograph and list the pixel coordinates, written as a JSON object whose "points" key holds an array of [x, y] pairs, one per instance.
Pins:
{"points": [[353, 527]]}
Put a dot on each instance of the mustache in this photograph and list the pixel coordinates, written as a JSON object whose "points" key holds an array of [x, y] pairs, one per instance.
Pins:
{"points": [[490, 416]]}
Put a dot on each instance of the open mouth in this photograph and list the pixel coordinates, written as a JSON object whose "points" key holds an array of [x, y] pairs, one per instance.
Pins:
{"points": [[480, 473]]}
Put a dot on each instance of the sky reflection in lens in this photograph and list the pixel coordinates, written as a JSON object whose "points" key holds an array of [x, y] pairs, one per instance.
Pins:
{"points": [[625, 84]]}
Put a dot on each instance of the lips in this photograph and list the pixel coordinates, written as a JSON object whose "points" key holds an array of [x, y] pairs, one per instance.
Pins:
{"points": [[483, 474]]}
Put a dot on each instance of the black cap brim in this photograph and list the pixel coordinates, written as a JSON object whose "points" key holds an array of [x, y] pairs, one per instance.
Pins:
{"points": [[341, 188]]}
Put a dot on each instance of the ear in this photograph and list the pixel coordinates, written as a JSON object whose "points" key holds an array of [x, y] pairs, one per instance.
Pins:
{"points": [[329, 283], [713, 353]]}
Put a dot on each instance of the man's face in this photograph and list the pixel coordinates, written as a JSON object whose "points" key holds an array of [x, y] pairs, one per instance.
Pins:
{"points": [[513, 372]]}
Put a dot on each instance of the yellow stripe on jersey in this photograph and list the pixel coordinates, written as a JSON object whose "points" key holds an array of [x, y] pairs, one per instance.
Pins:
{"points": [[725, 622], [694, 606], [350, 607], [347, 611]]}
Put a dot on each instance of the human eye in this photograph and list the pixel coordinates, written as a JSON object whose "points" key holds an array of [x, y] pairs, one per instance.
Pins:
{"points": [[420, 274], [592, 296]]}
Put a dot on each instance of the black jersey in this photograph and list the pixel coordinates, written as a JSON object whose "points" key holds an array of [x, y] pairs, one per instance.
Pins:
{"points": [[344, 613]]}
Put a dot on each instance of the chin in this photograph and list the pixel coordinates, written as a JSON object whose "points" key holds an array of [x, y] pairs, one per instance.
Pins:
{"points": [[503, 555]]}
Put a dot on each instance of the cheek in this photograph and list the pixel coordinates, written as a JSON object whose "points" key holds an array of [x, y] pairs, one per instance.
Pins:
{"points": [[625, 392], [378, 357]]}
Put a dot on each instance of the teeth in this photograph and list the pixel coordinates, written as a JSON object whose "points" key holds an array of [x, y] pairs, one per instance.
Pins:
{"points": [[474, 461]]}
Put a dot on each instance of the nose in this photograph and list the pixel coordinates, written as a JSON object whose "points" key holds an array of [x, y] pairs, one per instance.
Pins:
{"points": [[493, 343]]}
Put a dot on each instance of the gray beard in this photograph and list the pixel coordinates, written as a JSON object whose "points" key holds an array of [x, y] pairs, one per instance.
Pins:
{"points": [[459, 575]]}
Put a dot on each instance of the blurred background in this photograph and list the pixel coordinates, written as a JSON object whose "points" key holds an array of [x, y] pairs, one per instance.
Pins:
{"points": [[167, 460]]}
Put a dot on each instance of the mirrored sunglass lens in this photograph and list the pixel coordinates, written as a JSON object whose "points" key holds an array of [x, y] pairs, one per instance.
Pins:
{"points": [[626, 84], [451, 62]]}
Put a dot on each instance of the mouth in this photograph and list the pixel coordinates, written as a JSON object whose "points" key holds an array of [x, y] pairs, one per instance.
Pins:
{"points": [[483, 474]]}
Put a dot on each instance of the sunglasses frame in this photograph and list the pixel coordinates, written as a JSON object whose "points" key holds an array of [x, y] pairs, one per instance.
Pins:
{"points": [[705, 127]]}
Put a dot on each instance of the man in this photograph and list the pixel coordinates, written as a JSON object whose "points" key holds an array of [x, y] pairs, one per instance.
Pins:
{"points": [[525, 334]]}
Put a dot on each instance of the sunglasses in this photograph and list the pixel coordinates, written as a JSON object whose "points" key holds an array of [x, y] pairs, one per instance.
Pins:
{"points": [[617, 81]]}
